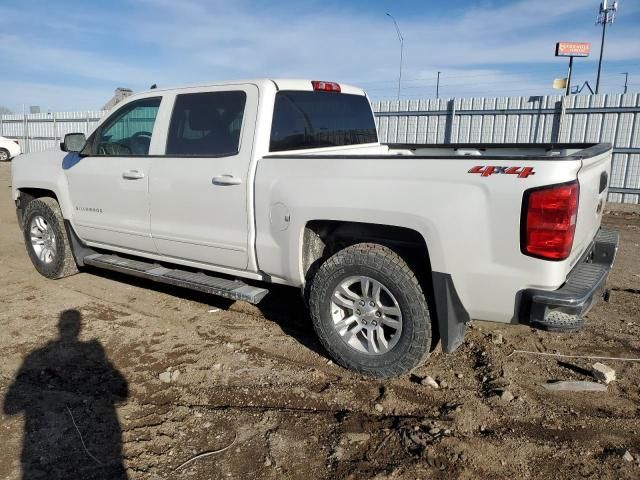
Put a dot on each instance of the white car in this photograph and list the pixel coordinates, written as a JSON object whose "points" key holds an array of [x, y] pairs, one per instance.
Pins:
{"points": [[227, 188], [8, 149]]}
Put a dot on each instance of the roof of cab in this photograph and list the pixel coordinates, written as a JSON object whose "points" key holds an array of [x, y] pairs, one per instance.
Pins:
{"points": [[279, 83]]}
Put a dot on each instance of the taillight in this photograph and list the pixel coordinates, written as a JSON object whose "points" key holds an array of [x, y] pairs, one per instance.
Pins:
{"points": [[549, 221], [325, 86]]}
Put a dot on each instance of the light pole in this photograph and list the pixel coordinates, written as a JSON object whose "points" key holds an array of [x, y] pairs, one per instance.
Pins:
{"points": [[438, 86], [401, 39], [606, 15], [626, 80]]}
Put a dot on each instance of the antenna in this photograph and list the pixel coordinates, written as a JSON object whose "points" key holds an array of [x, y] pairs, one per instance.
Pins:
{"points": [[607, 14]]}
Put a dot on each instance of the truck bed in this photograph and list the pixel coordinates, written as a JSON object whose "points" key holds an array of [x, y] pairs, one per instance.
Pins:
{"points": [[542, 151], [515, 151], [468, 210]]}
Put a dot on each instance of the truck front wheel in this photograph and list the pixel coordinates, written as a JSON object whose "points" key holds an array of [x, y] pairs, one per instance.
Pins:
{"points": [[46, 239], [370, 312]]}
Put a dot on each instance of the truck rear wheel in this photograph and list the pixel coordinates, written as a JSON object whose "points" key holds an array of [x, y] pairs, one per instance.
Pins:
{"points": [[46, 239], [370, 312]]}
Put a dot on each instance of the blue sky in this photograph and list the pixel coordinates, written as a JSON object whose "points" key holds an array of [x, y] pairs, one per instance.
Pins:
{"points": [[72, 54]]}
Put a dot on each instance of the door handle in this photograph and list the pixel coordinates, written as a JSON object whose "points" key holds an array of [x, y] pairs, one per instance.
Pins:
{"points": [[226, 179], [132, 175]]}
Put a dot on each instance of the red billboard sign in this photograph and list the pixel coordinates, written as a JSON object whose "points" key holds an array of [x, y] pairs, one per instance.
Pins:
{"points": [[573, 49]]}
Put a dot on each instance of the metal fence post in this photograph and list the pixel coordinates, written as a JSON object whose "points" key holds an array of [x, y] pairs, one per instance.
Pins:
{"points": [[25, 133], [55, 130], [563, 112], [451, 118]]}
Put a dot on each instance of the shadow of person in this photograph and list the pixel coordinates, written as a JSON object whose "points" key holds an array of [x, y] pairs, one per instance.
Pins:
{"points": [[68, 391]]}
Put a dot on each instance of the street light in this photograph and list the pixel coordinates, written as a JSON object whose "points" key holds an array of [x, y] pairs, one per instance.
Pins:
{"points": [[626, 80], [401, 39]]}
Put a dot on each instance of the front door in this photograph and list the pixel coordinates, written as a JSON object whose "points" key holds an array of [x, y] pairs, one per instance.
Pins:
{"points": [[109, 180], [198, 189]]}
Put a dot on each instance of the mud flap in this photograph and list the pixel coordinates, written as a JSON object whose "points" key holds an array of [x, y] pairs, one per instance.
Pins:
{"points": [[451, 314], [78, 248]]}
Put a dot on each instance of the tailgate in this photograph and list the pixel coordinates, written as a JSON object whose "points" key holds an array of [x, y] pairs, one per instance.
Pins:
{"points": [[593, 178]]}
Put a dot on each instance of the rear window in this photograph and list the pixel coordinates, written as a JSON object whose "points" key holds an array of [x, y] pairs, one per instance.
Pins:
{"points": [[320, 119]]}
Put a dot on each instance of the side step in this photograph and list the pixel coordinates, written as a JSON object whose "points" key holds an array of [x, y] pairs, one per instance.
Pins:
{"points": [[234, 289]]}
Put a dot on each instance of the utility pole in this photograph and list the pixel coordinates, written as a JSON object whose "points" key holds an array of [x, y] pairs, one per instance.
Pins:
{"points": [[401, 40], [606, 15], [626, 80], [438, 86]]}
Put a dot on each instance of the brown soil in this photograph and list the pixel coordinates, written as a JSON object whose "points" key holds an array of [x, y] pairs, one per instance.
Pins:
{"points": [[256, 378]]}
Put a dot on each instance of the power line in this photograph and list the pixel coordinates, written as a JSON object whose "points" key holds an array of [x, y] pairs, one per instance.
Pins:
{"points": [[481, 86], [446, 85], [485, 92], [444, 76]]}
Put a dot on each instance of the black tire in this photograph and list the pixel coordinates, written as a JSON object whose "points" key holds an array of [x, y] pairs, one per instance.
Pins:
{"points": [[62, 263], [5, 156], [385, 266]]}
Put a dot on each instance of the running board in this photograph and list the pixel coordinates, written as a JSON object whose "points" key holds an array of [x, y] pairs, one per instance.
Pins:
{"points": [[234, 289]]}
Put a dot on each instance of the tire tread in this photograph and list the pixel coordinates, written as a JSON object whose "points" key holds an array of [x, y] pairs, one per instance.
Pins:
{"points": [[67, 266], [382, 258]]}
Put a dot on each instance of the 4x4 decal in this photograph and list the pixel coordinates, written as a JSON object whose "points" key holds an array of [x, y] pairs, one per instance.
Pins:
{"points": [[521, 172]]}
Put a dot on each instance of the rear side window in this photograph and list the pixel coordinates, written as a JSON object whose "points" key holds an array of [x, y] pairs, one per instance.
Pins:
{"points": [[304, 119], [206, 124]]}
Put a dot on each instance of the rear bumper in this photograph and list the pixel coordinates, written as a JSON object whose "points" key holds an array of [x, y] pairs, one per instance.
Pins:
{"points": [[584, 286]]}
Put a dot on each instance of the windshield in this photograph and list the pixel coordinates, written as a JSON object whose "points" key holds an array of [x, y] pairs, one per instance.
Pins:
{"points": [[303, 119]]}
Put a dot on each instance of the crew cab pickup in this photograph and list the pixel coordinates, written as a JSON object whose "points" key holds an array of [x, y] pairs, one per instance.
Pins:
{"points": [[230, 187]]}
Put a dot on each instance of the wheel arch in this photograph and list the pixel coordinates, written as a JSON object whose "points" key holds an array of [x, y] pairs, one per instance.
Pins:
{"points": [[26, 195], [323, 238]]}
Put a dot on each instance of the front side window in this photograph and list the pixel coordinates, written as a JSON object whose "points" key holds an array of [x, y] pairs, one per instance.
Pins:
{"points": [[303, 119], [128, 131], [206, 124]]}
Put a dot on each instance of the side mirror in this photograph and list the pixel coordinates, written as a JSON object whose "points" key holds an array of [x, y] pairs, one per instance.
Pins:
{"points": [[73, 142]]}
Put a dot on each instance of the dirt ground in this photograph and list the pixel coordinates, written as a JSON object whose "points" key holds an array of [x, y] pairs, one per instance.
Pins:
{"points": [[254, 383]]}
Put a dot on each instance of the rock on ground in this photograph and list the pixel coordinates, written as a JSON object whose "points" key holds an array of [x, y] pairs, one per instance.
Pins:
{"points": [[603, 373], [430, 382], [576, 386], [507, 396]]}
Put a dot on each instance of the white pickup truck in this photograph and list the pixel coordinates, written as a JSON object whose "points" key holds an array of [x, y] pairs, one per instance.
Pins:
{"points": [[226, 188]]}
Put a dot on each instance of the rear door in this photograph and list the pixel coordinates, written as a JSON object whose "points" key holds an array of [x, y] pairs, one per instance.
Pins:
{"points": [[109, 181], [199, 188]]}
